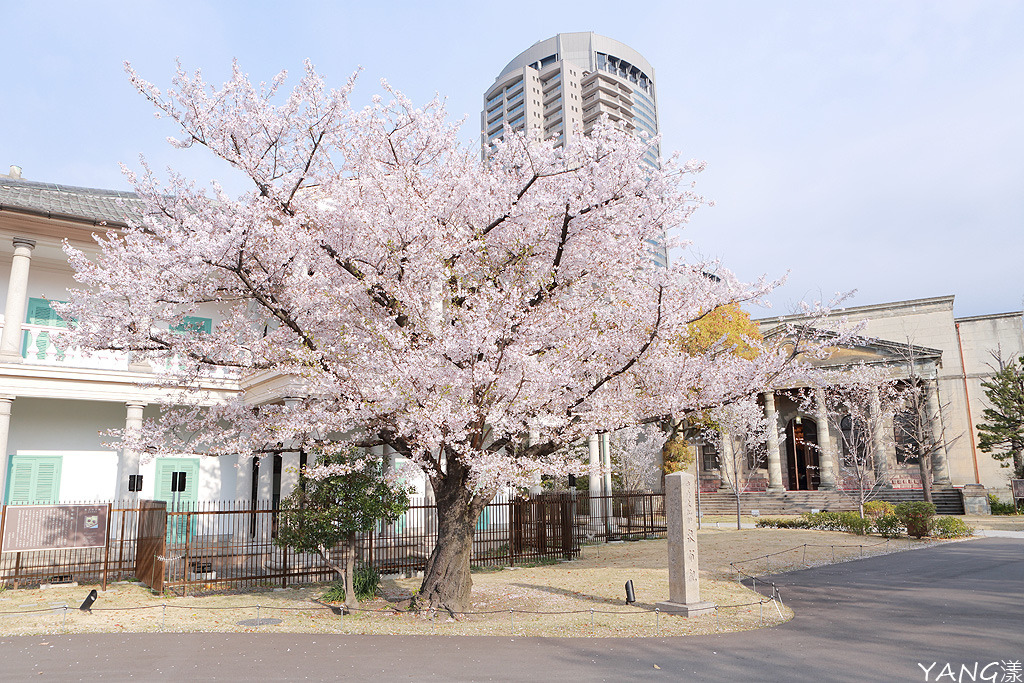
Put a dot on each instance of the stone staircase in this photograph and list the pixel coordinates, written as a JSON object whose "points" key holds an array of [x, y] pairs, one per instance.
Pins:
{"points": [[947, 502], [784, 503]]}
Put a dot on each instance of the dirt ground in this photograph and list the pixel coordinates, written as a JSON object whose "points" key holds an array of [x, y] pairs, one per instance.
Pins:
{"points": [[997, 522], [584, 597]]}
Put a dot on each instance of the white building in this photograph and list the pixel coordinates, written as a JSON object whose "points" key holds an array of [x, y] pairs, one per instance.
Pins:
{"points": [[54, 404]]}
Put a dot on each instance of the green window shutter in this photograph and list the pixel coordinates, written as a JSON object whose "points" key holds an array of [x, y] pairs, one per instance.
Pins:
{"points": [[47, 481], [162, 491], [20, 477], [190, 323], [33, 479], [40, 312], [166, 467], [177, 531]]}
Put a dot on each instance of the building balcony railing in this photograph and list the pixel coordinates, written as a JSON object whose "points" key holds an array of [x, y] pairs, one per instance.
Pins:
{"points": [[40, 345]]}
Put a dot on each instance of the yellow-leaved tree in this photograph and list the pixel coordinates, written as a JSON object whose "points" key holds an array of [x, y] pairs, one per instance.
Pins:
{"points": [[733, 330]]}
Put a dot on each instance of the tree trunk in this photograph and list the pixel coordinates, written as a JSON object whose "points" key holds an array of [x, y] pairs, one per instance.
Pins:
{"points": [[738, 511], [446, 579], [351, 601], [345, 569], [924, 466]]}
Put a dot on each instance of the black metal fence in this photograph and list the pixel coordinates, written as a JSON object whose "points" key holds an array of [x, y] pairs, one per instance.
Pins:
{"points": [[231, 543]]}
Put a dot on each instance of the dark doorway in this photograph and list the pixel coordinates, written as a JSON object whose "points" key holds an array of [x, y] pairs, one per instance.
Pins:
{"points": [[802, 454]]}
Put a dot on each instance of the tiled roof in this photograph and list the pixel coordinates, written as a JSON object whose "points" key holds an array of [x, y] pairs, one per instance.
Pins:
{"points": [[65, 201]]}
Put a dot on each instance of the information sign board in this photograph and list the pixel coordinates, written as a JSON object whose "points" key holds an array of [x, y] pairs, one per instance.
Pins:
{"points": [[54, 527]]}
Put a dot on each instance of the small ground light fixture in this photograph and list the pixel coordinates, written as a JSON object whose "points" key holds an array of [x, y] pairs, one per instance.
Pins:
{"points": [[630, 596], [89, 599]]}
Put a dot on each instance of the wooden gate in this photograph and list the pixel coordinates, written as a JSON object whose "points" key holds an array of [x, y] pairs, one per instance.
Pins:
{"points": [[542, 525], [151, 543]]}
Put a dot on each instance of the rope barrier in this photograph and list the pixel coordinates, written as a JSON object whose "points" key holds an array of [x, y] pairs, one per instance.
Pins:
{"points": [[804, 547], [318, 606]]}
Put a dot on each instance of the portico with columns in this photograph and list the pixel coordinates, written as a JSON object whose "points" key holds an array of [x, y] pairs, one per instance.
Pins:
{"points": [[804, 451]]}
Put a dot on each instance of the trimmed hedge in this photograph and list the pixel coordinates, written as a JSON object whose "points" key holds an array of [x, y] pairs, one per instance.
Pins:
{"points": [[888, 525], [849, 522]]}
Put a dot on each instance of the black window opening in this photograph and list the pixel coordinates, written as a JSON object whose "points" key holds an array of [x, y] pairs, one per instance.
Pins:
{"points": [[709, 459], [855, 447], [907, 432], [254, 497]]}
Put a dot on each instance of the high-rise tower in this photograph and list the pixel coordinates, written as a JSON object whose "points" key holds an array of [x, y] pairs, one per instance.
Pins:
{"points": [[566, 83]]}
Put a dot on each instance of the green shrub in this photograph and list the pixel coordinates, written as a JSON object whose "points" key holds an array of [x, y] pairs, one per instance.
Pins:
{"points": [[874, 509], [951, 527], [917, 517], [1001, 508], [366, 581], [335, 592], [889, 526], [849, 521], [860, 525], [776, 523]]}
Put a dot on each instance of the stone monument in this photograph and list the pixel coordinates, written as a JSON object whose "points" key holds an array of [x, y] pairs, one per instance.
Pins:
{"points": [[683, 576]]}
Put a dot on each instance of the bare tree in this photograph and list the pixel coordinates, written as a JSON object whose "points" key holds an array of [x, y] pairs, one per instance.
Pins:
{"points": [[918, 429], [859, 404], [743, 420]]}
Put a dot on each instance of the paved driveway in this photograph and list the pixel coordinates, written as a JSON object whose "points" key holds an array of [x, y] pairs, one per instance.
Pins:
{"points": [[868, 620]]}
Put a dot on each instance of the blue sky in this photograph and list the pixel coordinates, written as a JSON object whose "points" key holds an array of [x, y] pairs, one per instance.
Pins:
{"points": [[876, 146]]}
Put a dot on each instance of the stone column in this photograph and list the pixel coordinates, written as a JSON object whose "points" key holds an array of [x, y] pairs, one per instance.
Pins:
{"points": [[17, 301], [595, 478], [5, 430], [940, 464], [683, 572], [606, 464], [290, 459], [535, 487], [129, 464], [265, 490], [826, 447], [659, 463], [726, 461], [774, 455], [243, 479], [877, 438]]}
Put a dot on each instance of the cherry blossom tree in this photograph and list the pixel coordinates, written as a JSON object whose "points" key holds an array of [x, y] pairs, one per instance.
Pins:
{"points": [[740, 429], [410, 294], [634, 456]]}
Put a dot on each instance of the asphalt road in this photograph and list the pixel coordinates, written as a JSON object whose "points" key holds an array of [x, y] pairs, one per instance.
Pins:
{"points": [[874, 619]]}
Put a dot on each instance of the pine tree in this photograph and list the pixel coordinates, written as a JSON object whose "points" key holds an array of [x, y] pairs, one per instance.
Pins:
{"points": [[1002, 432]]}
